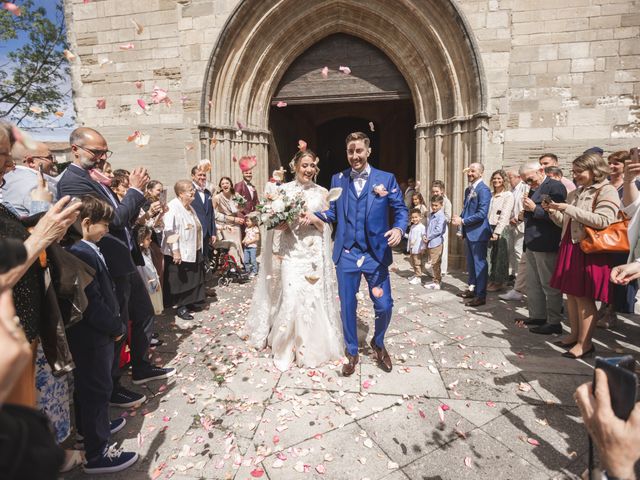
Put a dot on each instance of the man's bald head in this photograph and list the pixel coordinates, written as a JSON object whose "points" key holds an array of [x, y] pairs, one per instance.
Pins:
{"points": [[82, 135], [33, 157], [474, 172], [88, 147]]}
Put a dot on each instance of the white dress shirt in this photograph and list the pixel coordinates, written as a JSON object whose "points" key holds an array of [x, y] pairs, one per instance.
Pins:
{"points": [[359, 183]]}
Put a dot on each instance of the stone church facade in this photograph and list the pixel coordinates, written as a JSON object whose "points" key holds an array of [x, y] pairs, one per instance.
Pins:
{"points": [[437, 83]]}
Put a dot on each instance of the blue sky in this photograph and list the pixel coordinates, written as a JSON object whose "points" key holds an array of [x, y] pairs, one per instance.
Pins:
{"points": [[55, 132]]}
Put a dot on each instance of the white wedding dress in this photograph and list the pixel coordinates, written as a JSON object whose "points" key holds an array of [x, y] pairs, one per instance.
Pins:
{"points": [[295, 308]]}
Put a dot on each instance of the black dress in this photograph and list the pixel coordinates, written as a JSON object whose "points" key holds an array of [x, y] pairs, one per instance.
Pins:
{"points": [[28, 293]]}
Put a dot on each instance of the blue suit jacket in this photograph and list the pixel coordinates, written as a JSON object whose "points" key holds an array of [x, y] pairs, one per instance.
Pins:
{"points": [[378, 209], [75, 181], [475, 214], [206, 214], [101, 320]]}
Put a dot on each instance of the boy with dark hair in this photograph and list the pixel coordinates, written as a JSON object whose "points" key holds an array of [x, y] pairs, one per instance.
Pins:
{"points": [[92, 345], [434, 240]]}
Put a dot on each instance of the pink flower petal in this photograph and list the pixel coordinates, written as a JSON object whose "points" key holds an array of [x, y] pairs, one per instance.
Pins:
{"points": [[491, 404], [377, 292], [533, 442], [345, 70], [445, 407], [321, 469], [257, 472], [441, 414], [281, 104], [127, 46], [101, 103], [142, 104], [138, 84], [139, 27], [11, 7], [366, 384], [468, 462], [325, 72]]}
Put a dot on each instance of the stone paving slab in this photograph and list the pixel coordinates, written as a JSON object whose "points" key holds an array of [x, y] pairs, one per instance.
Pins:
{"points": [[230, 414]]}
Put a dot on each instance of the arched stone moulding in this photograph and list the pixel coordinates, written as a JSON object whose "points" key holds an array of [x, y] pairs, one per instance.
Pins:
{"points": [[428, 40]]}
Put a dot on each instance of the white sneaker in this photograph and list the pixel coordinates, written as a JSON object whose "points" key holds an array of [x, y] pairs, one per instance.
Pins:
{"points": [[511, 295], [415, 281], [432, 286]]}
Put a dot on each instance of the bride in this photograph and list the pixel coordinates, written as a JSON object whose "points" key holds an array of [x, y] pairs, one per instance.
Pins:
{"points": [[295, 307]]}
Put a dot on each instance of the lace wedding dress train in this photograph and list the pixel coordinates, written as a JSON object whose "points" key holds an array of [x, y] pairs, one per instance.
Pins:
{"points": [[295, 308]]}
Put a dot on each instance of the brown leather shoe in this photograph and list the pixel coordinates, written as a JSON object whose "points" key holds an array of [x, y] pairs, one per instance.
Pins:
{"points": [[382, 356], [476, 302], [466, 294], [350, 367]]}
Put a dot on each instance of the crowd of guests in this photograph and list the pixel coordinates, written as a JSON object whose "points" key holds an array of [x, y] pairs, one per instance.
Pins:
{"points": [[100, 252], [104, 254], [530, 228]]}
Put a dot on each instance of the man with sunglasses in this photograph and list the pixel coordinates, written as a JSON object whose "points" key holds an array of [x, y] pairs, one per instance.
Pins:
{"points": [[121, 253], [542, 242], [22, 181]]}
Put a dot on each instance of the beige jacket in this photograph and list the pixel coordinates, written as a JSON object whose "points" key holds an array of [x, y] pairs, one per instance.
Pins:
{"points": [[580, 209], [500, 210]]}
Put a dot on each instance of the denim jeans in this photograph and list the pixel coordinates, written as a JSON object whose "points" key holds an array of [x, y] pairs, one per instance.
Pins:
{"points": [[250, 263]]}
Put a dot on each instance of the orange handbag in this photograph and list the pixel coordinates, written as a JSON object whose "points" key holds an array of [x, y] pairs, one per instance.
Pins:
{"points": [[611, 239]]}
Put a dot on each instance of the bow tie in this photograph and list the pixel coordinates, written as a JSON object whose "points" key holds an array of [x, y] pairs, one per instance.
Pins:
{"points": [[362, 175]]}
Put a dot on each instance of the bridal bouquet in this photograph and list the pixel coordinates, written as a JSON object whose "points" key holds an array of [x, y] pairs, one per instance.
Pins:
{"points": [[279, 207]]}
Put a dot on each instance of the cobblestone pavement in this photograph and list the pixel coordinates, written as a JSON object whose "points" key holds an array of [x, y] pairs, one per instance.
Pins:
{"points": [[470, 396]]}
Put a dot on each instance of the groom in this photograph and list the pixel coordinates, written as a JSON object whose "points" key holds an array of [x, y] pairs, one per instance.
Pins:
{"points": [[362, 244]]}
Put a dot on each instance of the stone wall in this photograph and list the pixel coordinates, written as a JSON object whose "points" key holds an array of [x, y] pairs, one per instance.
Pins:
{"points": [[561, 75]]}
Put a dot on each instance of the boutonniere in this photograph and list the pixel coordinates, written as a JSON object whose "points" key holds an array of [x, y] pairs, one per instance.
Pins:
{"points": [[341, 175], [380, 190], [473, 194]]}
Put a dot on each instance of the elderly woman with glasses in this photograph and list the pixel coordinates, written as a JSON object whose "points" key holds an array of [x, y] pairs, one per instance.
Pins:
{"points": [[183, 258]]}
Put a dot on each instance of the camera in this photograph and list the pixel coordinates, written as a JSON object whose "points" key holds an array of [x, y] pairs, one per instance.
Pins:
{"points": [[12, 254]]}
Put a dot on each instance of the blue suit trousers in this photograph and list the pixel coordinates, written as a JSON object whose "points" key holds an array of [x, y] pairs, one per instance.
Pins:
{"points": [[352, 265], [477, 266]]}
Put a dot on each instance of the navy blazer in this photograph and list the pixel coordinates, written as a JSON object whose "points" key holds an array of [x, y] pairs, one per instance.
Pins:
{"points": [[378, 209], [475, 213], [122, 260], [540, 233], [101, 320], [206, 214]]}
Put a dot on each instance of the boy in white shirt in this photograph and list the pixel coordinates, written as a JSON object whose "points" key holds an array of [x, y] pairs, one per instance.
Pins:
{"points": [[416, 245]]}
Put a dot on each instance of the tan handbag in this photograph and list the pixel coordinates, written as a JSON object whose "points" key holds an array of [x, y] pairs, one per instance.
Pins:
{"points": [[611, 239]]}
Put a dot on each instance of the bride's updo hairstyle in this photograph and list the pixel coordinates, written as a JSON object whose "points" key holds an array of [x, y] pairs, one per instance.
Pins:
{"points": [[295, 161]]}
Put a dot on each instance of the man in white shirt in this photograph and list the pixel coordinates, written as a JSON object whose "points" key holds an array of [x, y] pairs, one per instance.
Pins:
{"points": [[23, 180]]}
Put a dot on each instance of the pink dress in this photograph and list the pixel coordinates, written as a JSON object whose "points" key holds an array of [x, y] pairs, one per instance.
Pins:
{"points": [[582, 275]]}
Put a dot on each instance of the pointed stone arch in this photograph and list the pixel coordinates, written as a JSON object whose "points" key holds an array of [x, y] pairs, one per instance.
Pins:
{"points": [[429, 41]]}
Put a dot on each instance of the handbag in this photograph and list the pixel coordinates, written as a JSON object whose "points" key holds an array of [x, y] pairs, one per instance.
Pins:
{"points": [[611, 239]]}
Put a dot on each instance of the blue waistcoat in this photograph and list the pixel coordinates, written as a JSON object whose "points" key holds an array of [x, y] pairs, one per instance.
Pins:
{"points": [[355, 234]]}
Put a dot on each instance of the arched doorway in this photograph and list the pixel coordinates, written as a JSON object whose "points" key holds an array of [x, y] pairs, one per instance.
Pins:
{"points": [[428, 41], [324, 107]]}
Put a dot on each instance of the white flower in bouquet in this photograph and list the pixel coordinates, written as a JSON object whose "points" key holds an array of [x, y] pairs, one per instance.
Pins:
{"points": [[278, 205]]}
